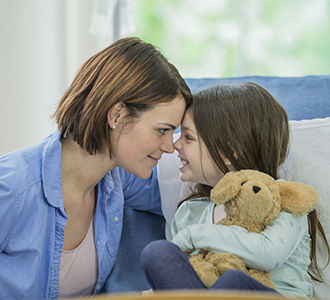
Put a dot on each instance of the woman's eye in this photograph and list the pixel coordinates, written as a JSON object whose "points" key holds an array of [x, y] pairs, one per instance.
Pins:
{"points": [[187, 137], [162, 131]]}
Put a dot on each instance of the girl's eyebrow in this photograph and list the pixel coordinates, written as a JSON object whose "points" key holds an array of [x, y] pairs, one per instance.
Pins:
{"points": [[186, 128], [167, 124]]}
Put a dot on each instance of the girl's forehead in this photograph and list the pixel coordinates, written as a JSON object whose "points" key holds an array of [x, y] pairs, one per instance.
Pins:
{"points": [[188, 120]]}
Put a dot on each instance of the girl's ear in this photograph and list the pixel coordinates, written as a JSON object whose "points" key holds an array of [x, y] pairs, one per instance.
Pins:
{"points": [[234, 152], [116, 114], [227, 161]]}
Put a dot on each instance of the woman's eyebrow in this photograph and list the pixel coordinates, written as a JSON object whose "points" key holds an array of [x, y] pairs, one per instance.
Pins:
{"points": [[167, 124]]}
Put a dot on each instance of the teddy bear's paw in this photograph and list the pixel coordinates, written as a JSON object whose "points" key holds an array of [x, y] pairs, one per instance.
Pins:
{"points": [[208, 273], [196, 258], [226, 261], [262, 277]]}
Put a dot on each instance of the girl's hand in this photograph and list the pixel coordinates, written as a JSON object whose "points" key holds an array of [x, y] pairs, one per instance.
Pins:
{"points": [[185, 252]]}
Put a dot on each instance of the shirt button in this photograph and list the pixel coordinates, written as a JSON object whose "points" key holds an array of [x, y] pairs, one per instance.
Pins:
{"points": [[98, 242], [115, 219], [98, 287]]}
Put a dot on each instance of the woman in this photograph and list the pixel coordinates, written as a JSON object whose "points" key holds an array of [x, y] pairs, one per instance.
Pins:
{"points": [[61, 201]]}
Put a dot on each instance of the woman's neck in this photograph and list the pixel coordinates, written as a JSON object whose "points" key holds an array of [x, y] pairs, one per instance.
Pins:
{"points": [[81, 171]]}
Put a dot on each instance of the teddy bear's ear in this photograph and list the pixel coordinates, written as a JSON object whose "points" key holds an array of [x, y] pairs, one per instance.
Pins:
{"points": [[226, 188], [297, 198]]}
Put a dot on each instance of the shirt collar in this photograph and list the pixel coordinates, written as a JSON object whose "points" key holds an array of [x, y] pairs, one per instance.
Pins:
{"points": [[52, 170]]}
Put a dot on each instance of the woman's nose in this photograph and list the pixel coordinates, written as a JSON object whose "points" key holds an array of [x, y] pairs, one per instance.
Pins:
{"points": [[167, 146]]}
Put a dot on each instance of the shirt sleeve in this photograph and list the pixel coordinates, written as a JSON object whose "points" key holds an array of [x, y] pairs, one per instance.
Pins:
{"points": [[7, 208], [264, 251], [141, 194]]}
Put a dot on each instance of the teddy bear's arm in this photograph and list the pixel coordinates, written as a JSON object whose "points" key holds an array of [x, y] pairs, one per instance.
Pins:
{"points": [[263, 251]]}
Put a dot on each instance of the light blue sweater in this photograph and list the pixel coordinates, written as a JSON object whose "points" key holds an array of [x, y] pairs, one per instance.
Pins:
{"points": [[282, 248]]}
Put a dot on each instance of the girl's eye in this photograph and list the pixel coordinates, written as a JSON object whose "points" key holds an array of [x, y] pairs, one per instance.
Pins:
{"points": [[187, 137]]}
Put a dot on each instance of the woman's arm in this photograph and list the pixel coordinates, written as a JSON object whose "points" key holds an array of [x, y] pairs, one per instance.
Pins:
{"points": [[141, 194], [264, 251], [7, 208]]}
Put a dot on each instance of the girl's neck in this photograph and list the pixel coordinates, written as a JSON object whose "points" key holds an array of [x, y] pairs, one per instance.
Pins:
{"points": [[218, 213]]}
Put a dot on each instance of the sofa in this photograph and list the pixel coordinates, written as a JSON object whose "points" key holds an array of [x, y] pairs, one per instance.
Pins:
{"points": [[307, 102]]}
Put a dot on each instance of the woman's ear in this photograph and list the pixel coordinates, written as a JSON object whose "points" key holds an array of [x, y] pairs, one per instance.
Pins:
{"points": [[116, 114]]}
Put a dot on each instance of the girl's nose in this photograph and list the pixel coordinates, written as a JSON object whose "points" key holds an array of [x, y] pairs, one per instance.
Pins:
{"points": [[178, 145]]}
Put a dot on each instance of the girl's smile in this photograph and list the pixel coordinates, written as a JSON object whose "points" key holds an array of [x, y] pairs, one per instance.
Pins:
{"points": [[196, 163], [184, 162]]}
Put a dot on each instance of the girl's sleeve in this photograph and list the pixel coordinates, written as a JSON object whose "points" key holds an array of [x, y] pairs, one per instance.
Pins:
{"points": [[141, 194], [264, 251]]}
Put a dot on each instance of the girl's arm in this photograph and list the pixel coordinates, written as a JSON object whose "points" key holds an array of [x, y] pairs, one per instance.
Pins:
{"points": [[264, 251]]}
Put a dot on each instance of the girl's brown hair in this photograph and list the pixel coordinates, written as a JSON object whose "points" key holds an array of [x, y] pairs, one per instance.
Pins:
{"points": [[246, 124], [129, 71]]}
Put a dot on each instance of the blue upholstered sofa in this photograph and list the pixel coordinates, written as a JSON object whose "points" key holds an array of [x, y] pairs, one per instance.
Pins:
{"points": [[304, 98]]}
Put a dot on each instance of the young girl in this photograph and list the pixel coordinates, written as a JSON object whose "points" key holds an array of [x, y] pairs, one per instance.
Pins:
{"points": [[227, 128]]}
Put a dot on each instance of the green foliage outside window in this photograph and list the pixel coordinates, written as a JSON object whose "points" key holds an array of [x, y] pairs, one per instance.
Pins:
{"points": [[218, 38]]}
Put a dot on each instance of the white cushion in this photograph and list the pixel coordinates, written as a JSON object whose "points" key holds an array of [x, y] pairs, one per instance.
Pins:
{"points": [[308, 162], [172, 189]]}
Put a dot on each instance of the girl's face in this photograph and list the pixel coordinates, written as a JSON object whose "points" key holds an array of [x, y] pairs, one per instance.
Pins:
{"points": [[138, 147], [196, 162]]}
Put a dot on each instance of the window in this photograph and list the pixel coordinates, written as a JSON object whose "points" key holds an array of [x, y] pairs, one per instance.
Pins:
{"points": [[217, 38]]}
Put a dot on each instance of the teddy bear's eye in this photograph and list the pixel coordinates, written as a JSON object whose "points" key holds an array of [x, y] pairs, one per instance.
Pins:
{"points": [[243, 183]]}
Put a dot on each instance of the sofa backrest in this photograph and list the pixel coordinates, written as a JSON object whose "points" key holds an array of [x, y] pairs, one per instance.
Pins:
{"points": [[305, 97]]}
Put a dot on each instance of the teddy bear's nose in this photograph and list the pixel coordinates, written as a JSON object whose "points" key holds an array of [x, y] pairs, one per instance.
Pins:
{"points": [[256, 189]]}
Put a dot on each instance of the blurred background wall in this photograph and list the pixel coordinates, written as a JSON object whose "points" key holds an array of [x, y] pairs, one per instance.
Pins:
{"points": [[43, 42]]}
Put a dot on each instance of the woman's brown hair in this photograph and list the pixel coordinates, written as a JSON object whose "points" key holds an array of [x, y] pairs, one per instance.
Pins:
{"points": [[129, 71], [246, 124]]}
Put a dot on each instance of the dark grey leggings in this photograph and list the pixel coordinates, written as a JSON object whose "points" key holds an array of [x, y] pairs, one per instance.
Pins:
{"points": [[167, 267]]}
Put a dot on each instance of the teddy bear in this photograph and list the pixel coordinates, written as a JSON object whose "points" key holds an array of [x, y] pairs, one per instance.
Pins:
{"points": [[252, 199]]}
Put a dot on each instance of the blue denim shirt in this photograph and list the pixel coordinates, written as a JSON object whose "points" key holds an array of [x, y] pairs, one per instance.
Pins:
{"points": [[32, 219]]}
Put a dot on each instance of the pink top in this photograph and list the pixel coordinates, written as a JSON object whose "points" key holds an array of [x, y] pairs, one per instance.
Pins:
{"points": [[79, 269]]}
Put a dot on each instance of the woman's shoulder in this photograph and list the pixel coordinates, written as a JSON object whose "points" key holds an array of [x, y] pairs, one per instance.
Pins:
{"points": [[22, 166]]}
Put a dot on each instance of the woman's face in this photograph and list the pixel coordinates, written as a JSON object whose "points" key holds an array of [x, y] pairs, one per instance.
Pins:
{"points": [[139, 146], [197, 164]]}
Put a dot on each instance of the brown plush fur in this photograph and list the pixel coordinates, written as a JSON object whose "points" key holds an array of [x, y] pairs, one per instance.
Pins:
{"points": [[252, 200]]}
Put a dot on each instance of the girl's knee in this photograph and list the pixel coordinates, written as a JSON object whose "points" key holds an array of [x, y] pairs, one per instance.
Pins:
{"points": [[234, 276], [155, 246], [234, 273], [154, 250]]}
